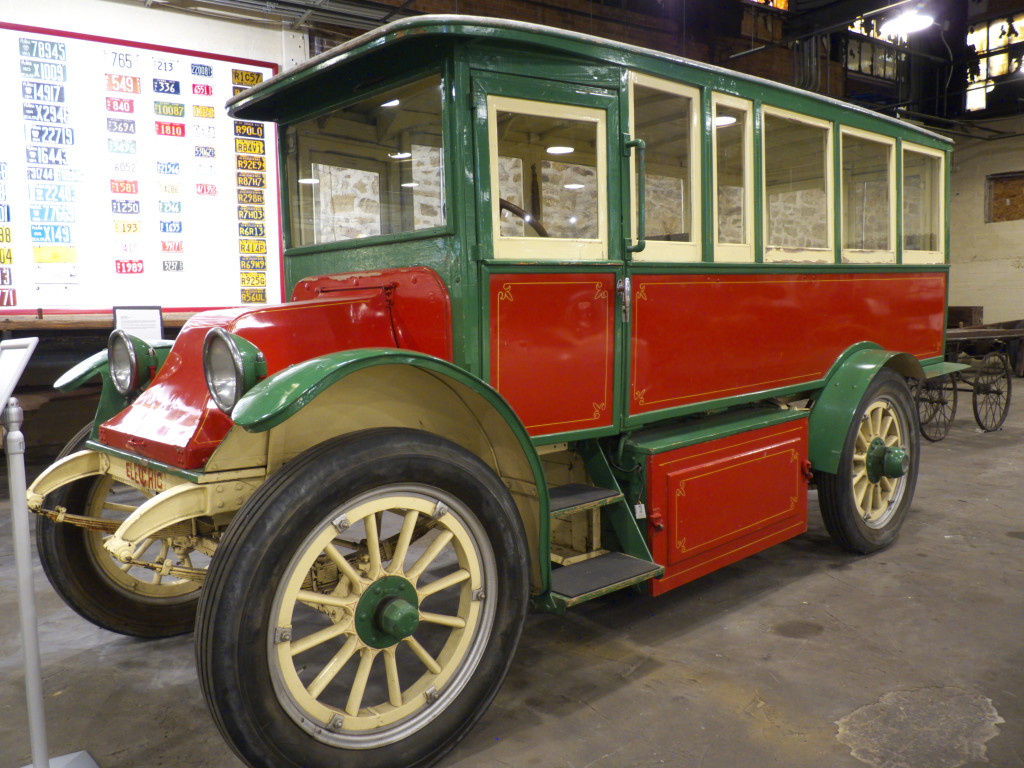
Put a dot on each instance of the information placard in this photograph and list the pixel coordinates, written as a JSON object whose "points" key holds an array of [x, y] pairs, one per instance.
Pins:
{"points": [[124, 181]]}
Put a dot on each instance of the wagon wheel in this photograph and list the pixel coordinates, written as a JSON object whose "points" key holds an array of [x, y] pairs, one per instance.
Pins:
{"points": [[991, 396], [936, 406]]}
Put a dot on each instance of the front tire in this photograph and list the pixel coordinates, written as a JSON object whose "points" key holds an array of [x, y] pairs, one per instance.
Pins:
{"points": [[863, 512], [129, 600], [313, 643]]}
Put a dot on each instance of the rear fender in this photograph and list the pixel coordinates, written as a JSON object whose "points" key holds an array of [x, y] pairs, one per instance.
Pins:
{"points": [[837, 403], [355, 390]]}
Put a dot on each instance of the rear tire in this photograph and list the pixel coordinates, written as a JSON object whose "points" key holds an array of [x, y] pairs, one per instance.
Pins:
{"points": [[312, 644], [864, 516]]}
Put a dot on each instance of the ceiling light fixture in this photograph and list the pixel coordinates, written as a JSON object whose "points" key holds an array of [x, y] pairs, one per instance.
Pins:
{"points": [[392, 103], [906, 23], [723, 120], [560, 150], [573, 186], [400, 155]]}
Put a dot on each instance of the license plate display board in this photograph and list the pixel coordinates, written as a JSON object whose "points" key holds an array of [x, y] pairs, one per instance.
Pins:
{"points": [[123, 179]]}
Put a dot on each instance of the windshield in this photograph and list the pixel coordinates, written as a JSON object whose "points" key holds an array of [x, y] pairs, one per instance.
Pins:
{"points": [[375, 167]]}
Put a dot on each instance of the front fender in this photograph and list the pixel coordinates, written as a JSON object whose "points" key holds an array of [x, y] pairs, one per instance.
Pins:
{"points": [[362, 389], [844, 387]]}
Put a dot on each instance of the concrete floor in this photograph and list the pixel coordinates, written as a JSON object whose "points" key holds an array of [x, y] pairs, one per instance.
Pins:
{"points": [[802, 657]]}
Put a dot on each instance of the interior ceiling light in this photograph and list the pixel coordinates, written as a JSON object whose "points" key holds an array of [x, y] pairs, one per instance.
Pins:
{"points": [[309, 181], [905, 24], [574, 186], [723, 120], [392, 103], [560, 150], [400, 155]]}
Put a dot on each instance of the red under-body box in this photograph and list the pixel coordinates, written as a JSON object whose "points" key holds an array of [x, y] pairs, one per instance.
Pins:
{"points": [[722, 500]]}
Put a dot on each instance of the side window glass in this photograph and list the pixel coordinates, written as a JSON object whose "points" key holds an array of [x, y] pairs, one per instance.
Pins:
{"points": [[797, 161], [371, 168], [548, 180], [868, 207], [734, 195], [923, 205], [665, 115]]}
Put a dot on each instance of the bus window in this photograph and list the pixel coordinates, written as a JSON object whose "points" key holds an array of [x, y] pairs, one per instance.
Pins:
{"points": [[922, 206], [548, 180], [732, 143], [797, 188], [666, 116], [374, 167], [869, 217]]}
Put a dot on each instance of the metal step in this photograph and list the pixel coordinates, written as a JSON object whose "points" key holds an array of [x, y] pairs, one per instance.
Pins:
{"points": [[577, 583], [565, 499]]}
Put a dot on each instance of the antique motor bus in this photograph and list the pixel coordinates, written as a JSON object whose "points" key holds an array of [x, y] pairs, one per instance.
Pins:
{"points": [[567, 316]]}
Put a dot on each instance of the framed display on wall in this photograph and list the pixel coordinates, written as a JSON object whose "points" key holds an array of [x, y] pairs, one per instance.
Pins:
{"points": [[124, 181]]}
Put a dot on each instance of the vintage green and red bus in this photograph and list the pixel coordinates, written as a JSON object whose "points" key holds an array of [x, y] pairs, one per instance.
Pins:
{"points": [[567, 316]]}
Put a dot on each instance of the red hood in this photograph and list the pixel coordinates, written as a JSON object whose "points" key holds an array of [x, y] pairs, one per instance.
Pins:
{"points": [[174, 420]]}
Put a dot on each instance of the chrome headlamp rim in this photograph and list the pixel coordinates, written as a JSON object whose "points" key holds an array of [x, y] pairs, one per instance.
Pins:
{"points": [[220, 336], [125, 380]]}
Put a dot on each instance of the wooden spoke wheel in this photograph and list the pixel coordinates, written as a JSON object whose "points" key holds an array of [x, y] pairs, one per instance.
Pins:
{"points": [[865, 502], [365, 606], [135, 598], [936, 406], [991, 394]]}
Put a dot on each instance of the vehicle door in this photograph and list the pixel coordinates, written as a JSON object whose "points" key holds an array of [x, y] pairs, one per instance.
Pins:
{"points": [[549, 168]]}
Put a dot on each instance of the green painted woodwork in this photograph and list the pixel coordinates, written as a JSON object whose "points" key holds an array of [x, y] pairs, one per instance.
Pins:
{"points": [[669, 437], [387, 612], [844, 387], [934, 370], [896, 462], [76, 376], [616, 518]]}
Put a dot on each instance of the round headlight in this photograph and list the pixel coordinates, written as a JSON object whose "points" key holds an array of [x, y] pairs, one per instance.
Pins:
{"points": [[130, 359], [231, 366]]}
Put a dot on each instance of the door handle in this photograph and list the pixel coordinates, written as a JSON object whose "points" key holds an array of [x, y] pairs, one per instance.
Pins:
{"points": [[641, 225], [624, 288]]}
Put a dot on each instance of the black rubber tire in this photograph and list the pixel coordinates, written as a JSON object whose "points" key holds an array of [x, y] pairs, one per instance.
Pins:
{"points": [[70, 566], [839, 508], [236, 607]]}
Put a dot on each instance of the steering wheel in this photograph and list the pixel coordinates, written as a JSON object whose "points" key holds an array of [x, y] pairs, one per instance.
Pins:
{"points": [[515, 210]]}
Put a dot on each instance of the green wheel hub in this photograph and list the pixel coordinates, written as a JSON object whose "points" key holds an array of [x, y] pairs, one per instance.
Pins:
{"points": [[388, 612]]}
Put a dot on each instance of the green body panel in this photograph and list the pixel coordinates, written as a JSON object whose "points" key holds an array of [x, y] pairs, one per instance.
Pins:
{"points": [[657, 440], [934, 370], [111, 401], [845, 384]]}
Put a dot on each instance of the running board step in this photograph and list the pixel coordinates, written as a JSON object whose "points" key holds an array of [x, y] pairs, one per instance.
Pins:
{"points": [[577, 583], [565, 499]]}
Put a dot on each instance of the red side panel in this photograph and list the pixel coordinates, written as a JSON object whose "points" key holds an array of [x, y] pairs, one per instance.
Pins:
{"points": [[706, 337], [725, 499], [420, 305], [552, 348]]}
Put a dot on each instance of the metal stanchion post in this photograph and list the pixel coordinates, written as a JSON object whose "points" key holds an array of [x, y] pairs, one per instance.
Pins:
{"points": [[14, 445]]}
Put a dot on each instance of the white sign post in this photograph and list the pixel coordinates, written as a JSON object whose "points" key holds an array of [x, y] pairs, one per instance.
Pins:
{"points": [[14, 356]]}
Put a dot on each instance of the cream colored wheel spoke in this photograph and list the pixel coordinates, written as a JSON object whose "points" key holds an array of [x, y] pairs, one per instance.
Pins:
{"points": [[444, 621], [422, 655], [435, 548], [404, 540], [319, 598], [345, 567], [333, 667], [443, 583], [355, 698], [161, 558], [394, 684], [373, 545], [315, 639]]}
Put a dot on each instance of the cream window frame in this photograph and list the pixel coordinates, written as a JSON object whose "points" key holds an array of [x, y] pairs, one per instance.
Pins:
{"points": [[549, 248], [659, 250], [858, 255], [927, 257], [734, 252], [779, 254]]}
